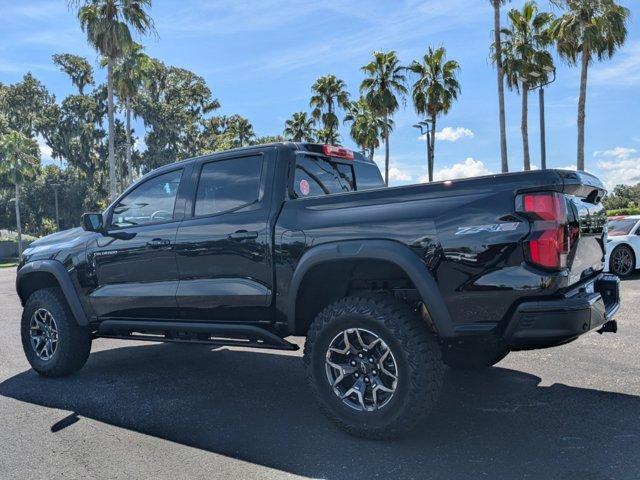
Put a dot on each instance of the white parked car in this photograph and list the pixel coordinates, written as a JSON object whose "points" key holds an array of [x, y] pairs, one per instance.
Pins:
{"points": [[623, 245]]}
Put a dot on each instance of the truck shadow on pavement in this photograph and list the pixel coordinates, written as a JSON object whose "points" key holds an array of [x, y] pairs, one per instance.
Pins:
{"points": [[256, 407]]}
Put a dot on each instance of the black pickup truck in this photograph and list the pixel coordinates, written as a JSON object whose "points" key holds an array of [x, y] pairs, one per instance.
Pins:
{"points": [[250, 246]]}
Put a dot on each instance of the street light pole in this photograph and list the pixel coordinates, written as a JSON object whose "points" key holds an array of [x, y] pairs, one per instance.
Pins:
{"points": [[543, 135], [422, 126]]}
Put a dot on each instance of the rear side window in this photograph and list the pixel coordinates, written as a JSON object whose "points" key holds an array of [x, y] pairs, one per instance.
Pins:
{"points": [[228, 185], [316, 176], [368, 176]]}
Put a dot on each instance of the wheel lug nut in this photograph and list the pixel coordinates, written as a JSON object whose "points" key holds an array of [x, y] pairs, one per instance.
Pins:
{"points": [[360, 355], [370, 360], [357, 375], [366, 379], [374, 372], [353, 363]]}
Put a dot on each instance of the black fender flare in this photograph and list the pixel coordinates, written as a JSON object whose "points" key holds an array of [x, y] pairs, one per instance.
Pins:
{"points": [[387, 250], [58, 270]]}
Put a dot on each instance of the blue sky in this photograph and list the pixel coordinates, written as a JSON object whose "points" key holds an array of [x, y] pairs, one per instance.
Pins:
{"points": [[260, 58]]}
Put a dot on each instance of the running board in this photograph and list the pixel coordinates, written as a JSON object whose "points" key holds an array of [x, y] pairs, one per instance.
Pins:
{"points": [[218, 334]]}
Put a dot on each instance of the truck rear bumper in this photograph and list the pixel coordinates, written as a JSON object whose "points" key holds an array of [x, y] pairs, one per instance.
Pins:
{"points": [[548, 323]]}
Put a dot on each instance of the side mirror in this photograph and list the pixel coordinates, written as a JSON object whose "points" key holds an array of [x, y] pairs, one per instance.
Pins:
{"points": [[92, 222]]}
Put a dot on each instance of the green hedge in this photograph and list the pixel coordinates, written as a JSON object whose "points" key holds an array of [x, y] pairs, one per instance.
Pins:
{"points": [[623, 211]]}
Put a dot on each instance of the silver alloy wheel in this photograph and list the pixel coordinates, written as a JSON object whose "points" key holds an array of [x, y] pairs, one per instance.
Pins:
{"points": [[43, 332], [622, 261], [361, 369]]}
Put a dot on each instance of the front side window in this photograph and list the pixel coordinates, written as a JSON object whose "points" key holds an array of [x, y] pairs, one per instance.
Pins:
{"points": [[228, 185], [316, 176], [152, 201]]}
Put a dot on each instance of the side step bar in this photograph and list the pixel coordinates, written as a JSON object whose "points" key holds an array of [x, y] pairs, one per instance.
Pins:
{"points": [[219, 334]]}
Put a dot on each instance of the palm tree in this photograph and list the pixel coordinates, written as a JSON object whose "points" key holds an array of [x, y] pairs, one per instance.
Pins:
{"points": [[130, 72], [589, 28], [241, 130], [384, 83], [527, 63], [497, 46], [107, 23], [328, 136], [19, 158], [299, 128], [434, 91], [329, 94], [366, 127]]}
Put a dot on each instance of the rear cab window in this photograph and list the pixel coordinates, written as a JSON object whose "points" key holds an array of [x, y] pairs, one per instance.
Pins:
{"points": [[319, 175]]}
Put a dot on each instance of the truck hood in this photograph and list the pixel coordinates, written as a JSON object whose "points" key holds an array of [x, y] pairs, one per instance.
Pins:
{"points": [[59, 241]]}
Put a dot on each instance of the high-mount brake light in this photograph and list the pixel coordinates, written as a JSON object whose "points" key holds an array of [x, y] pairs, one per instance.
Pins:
{"points": [[549, 242], [339, 152]]}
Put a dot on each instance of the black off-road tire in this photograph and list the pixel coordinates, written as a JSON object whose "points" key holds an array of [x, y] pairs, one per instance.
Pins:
{"points": [[418, 356], [475, 357], [74, 341]]}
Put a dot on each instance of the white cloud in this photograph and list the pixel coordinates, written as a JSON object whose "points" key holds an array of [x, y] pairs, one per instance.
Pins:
{"points": [[403, 24], [573, 166], [620, 153], [618, 165], [622, 171], [624, 70], [468, 168], [395, 174], [453, 134]]}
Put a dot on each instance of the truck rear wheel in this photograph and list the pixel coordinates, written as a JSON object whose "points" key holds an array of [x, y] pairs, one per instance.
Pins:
{"points": [[53, 342], [373, 365], [474, 357]]}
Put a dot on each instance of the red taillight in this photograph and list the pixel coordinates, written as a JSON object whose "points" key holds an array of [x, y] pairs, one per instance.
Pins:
{"points": [[549, 242], [340, 152]]}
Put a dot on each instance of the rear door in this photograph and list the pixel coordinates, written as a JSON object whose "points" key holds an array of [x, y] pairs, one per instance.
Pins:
{"points": [[133, 265], [223, 246]]}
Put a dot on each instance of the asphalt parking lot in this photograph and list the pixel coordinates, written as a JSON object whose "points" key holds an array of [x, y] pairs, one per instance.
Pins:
{"points": [[167, 411]]}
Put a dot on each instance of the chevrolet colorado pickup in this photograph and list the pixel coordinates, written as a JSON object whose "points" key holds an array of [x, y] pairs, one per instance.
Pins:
{"points": [[250, 246]]}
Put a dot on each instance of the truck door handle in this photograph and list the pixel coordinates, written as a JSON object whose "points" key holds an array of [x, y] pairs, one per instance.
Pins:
{"points": [[158, 243], [243, 235]]}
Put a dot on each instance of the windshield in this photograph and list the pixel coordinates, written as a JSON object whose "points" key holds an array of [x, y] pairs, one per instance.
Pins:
{"points": [[621, 226]]}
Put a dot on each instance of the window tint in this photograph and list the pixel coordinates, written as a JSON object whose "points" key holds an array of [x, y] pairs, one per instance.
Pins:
{"points": [[152, 201], [316, 176], [368, 176], [228, 184]]}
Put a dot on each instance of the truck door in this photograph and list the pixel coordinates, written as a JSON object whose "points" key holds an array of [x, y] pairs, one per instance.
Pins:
{"points": [[133, 265], [223, 246]]}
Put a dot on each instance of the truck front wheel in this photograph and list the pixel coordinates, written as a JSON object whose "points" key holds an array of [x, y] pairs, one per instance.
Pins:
{"points": [[53, 342], [373, 365]]}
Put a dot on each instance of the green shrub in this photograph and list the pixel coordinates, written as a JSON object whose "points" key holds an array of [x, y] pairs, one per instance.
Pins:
{"points": [[623, 211]]}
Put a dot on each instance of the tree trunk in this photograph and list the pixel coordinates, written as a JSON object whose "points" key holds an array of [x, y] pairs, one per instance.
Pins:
{"points": [[498, 43], [18, 223], [330, 123], [129, 146], [432, 150], [112, 157], [525, 126], [386, 148], [582, 105]]}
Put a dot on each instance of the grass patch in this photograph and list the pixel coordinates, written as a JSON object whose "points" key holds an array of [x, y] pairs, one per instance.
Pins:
{"points": [[8, 262]]}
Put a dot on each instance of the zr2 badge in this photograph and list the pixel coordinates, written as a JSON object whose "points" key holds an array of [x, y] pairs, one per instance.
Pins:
{"points": [[494, 227]]}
